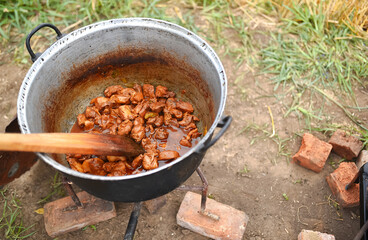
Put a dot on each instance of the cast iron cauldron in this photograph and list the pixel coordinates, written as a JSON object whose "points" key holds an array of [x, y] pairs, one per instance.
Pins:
{"points": [[62, 81]]}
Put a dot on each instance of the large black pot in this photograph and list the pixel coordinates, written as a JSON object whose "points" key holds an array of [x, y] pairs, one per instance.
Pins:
{"points": [[60, 84]]}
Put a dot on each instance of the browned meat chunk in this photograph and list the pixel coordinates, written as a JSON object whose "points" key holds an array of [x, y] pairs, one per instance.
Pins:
{"points": [[138, 88], [125, 127], [177, 113], [116, 158], [75, 164], [138, 121], [112, 90], [149, 161], [162, 91], [161, 134], [190, 126], [88, 125], [94, 166], [171, 103], [92, 112], [168, 155], [142, 108], [120, 99], [187, 119], [115, 168], [81, 119], [138, 133], [128, 92], [157, 106], [194, 133], [159, 121], [148, 91], [113, 129], [100, 102], [136, 97], [184, 106], [185, 142], [125, 112], [137, 161], [151, 120]]}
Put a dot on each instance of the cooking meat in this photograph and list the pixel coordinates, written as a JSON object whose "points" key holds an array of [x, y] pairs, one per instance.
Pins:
{"points": [[148, 91], [147, 114], [168, 155], [149, 161], [112, 90], [125, 127], [94, 166], [184, 106]]}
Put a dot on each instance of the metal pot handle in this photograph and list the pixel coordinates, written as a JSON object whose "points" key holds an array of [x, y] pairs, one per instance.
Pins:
{"points": [[28, 40], [224, 124]]}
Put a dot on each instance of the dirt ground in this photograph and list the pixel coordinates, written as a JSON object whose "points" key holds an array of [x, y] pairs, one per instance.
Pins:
{"points": [[258, 192]]}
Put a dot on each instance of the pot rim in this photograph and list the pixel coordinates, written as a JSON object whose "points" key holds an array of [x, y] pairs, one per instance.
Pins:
{"points": [[104, 25]]}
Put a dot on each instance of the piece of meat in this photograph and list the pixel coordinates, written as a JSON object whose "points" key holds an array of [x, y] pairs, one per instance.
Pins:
{"points": [[108, 166], [119, 169], [75, 164], [100, 102], [152, 146], [125, 127], [138, 121], [177, 113], [88, 125], [112, 90], [116, 158], [190, 126], [137, 162], [136, 97], [125, 112], [120, 99], [138, 133], [157, 106], [167, 117], [161, 91], [127, 92], [184, 106], [148, 91], [168, 155], [187, 119], [142, 108], [138, 88], [106, 121], [186, 142], [151, 120], [94, 166], [149, 161], [159, 121], [173, 122], [171, 103], [113, 129], [161, 134], [194, 133], [81, 119], [92, 112]]}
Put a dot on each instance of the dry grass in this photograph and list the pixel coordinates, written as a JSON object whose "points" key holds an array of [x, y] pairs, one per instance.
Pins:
{"points": [[352, 13]]}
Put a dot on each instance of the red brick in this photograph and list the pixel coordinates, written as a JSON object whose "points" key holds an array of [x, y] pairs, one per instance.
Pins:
{"points": [[312, 235], [344, 145], [155, 204], [338, 180], [231, 224], [362, 159], [313, 153], [62, 216]]}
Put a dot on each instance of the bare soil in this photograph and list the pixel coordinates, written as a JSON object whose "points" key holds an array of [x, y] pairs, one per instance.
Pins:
{"points": [[258, 192]]}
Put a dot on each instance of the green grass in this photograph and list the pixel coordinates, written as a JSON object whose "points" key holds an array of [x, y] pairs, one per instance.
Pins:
{"points": [[56, 189], [11, 222]]}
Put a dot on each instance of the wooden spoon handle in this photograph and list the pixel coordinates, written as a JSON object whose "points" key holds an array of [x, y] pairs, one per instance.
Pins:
{"points": [[74, 143]]}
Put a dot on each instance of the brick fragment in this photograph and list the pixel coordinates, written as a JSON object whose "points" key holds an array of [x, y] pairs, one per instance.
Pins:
{"points": [[312, 235], [62, 216], [155, 204], [338, 181], [362, 159], [231, 224], [344, 145], [313, 153]]}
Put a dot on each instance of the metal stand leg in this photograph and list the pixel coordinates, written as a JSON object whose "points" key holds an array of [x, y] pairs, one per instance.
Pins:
{"points": [[133, 220], [204, 190], [71, 193]]}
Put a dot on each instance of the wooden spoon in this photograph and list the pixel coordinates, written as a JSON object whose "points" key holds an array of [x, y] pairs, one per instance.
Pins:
{"points": [[73, 143]]}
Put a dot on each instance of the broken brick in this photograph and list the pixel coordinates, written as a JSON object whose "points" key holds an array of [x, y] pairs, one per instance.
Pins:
{"points": [[155, 204], [313, 153], [344, 145], [231, 223], [338, 180], [312, 235], [362, 159], [62, 216]]}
